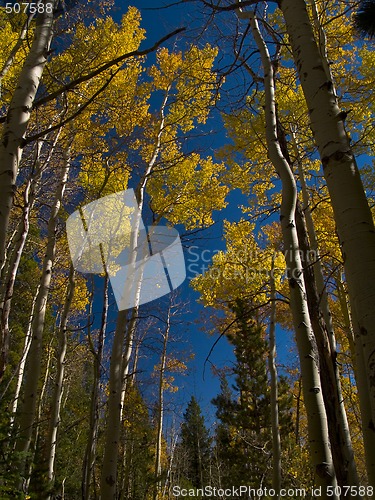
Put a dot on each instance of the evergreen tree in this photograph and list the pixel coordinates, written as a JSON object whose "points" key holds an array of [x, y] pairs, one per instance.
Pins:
{"points": [[243, 436], [195, 445]]}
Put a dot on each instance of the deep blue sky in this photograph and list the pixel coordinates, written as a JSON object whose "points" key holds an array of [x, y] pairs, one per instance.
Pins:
{"points": [[198, 381]]}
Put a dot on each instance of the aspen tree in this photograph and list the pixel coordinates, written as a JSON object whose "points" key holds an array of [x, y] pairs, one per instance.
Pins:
{"points": [[353, 217], [175, 191], [354, 222], [120, 361], [16, 246], [18, 115], [54, 423], [276, 441], [160, 406], [92, 438], [27, 413], [320, 452]]}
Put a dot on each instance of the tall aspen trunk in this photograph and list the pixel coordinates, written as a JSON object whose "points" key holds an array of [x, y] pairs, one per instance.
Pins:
{"points": [[127, 376], [320, 453], [36, 429], [126, 459], [348, 326], [10, 269], [22, 363], [160, 408], [317, 265], [276, 442], [338, 428], [89, 459], [168, 479], [362, 384], [27, 414], [119, 364], [353, 217], [54, 423], [341, 446], [18, 116]]}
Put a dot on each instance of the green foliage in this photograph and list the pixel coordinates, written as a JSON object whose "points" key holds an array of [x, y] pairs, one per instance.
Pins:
{"points": [[195, 446], [243, 435], [137, 448]]}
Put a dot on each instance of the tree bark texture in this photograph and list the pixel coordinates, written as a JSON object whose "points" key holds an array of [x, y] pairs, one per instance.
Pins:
{"points": [[27, 412], [320, 453], [353, 217]]}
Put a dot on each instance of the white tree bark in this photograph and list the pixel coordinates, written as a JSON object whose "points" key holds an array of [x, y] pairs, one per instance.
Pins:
{"points": [[160, 407], [353, 217], [120, 363], [276, 441], [27, 414], [54, 423], [89, 459], [18, 117], [10, 269], [320, 453], [338, 428], [22, 363]]}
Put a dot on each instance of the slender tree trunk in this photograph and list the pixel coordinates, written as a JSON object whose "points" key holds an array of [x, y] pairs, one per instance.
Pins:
{"points": [[276, 442], [58, 388], [120, 363], [317, 265], [341, 445], [167, 482], [362, 388], [127, 377], [160, 408], [298, 411], [129, 380], [27, 414], [10, 59], [109, 467], [21, 368], [320, 453], [37, 421], [10, 269], [18, 116], [348, 326], [89, 459], [353, 217]]}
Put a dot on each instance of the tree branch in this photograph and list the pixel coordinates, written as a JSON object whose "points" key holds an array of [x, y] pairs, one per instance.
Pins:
{"points": [[104, 67], [34, 137], [234, 6]]}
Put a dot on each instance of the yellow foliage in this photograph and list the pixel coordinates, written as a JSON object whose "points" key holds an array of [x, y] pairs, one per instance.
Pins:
{"points": [[242, 271]]}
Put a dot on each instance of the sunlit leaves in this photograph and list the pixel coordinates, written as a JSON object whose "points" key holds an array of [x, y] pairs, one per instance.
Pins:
{"points": [[242, 271]]}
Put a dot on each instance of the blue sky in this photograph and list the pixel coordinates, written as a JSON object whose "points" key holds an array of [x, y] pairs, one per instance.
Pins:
{"points": [[199, 380]]}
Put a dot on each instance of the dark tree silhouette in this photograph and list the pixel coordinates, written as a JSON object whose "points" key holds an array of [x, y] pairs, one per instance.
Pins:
{"points": [[364, 19]]}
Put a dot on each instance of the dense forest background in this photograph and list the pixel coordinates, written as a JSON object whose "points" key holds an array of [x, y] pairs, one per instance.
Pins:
{"points": [[248, 128]]}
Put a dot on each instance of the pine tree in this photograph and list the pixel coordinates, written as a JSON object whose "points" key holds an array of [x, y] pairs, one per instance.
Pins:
{"points": [[195, 445], [243, 437]]}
